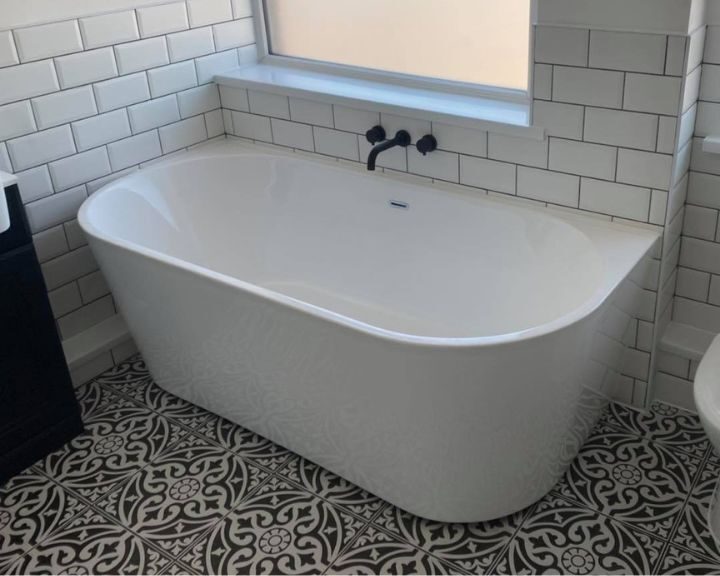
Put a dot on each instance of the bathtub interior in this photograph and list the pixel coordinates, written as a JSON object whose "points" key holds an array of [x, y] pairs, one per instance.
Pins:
{"points": [[452, 266]]}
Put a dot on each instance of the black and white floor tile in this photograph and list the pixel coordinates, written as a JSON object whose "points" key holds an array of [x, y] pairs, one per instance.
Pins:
{"points": [[157, 485]]}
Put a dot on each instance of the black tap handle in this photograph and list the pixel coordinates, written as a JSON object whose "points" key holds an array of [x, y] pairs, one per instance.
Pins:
{"points": [[426, 144], [375, 134]]}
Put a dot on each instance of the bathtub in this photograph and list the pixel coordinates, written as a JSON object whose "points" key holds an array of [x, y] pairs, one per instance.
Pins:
{"points": [[444, 351]]}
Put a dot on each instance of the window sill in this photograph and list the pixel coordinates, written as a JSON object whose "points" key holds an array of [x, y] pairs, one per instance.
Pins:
{"points": [[511, 118]]}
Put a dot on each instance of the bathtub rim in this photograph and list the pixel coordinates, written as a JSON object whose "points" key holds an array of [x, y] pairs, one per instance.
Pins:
{"points": [[606, 287]]}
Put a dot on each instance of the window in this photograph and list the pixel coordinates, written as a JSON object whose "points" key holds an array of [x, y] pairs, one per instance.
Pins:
{"points": [[484, 43]]}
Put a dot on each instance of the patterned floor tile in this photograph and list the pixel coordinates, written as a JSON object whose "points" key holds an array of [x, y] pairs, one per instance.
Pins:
{"points": [[31, 507], [279, 530], [470, 547], [562, 537], [243, 442], [693, 532], [182, 493], [639, 482], [116, 443], [126, 374], [94, 398], [375, 552], [90, 544], [332, 487], [663, 423], [678, 561]]}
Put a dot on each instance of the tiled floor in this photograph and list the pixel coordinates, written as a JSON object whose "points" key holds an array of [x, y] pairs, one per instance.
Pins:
{"points": [[157, 485]]}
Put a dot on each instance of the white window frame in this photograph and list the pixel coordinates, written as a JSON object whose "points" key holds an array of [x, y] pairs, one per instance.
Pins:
{"points": [[394, 78]]}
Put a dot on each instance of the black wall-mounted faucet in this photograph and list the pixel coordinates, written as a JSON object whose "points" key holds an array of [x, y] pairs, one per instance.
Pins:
{"points": [[402, 138]]}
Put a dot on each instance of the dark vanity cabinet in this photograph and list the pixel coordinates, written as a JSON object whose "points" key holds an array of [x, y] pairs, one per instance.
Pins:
{"points": [[38, 409]]}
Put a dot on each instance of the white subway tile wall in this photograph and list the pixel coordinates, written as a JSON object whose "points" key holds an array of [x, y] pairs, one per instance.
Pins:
{"points": [[86, 101]]}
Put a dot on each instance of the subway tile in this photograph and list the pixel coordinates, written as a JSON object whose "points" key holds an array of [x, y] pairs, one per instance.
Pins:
{"points": [[644, 168], [585, 86], [620, 200], [85, 317], [8, 51], [204, 12], [697, 314], [621, 128], [704, 161], [710, 83], [708, 119], [594, 160], [704, 190], [190, 44], [672, 364], [658, 207], [214, 124], [198, 100], [714, 292], [712, 45], [95, 185], [101, 129], [700, 254], [27, 80], [63, 107], [336, 143], [247, 55], [675, 58], [547, 186], [667, 130], [5, 165], [121, 92], [252, 126], [34, 183], [163, 19], [16, 120], [55, 209], [462, 140], [488, 174], [41, 147], [696, 46], [172, 78], [518, 150], [636, 364], [109, 29], [154, 113], [134, 150], [416, 127], [354, 120], [692, 284], [182, 134], [562, 120], [79, 168], [567, 46], [438, 164], [234, 98], [700, 222], [691, 90], [227, 121], [86, 67], [542, 81], [655, 94], [242, 8], [50, 243], [687, 125], [48, 40], [311, 112], [141, 55], [681, 164], [234, 34], [93, 286], [65, 299], [291, 134], [268, 104], [209, 66], [628, 51]]}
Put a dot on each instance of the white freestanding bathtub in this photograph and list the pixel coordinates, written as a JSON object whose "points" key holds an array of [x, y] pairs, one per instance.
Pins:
{"points": [[445, 351]]}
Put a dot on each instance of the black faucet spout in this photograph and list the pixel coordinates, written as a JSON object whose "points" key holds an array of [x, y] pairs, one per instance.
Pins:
{"points": [[402, 138]]}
